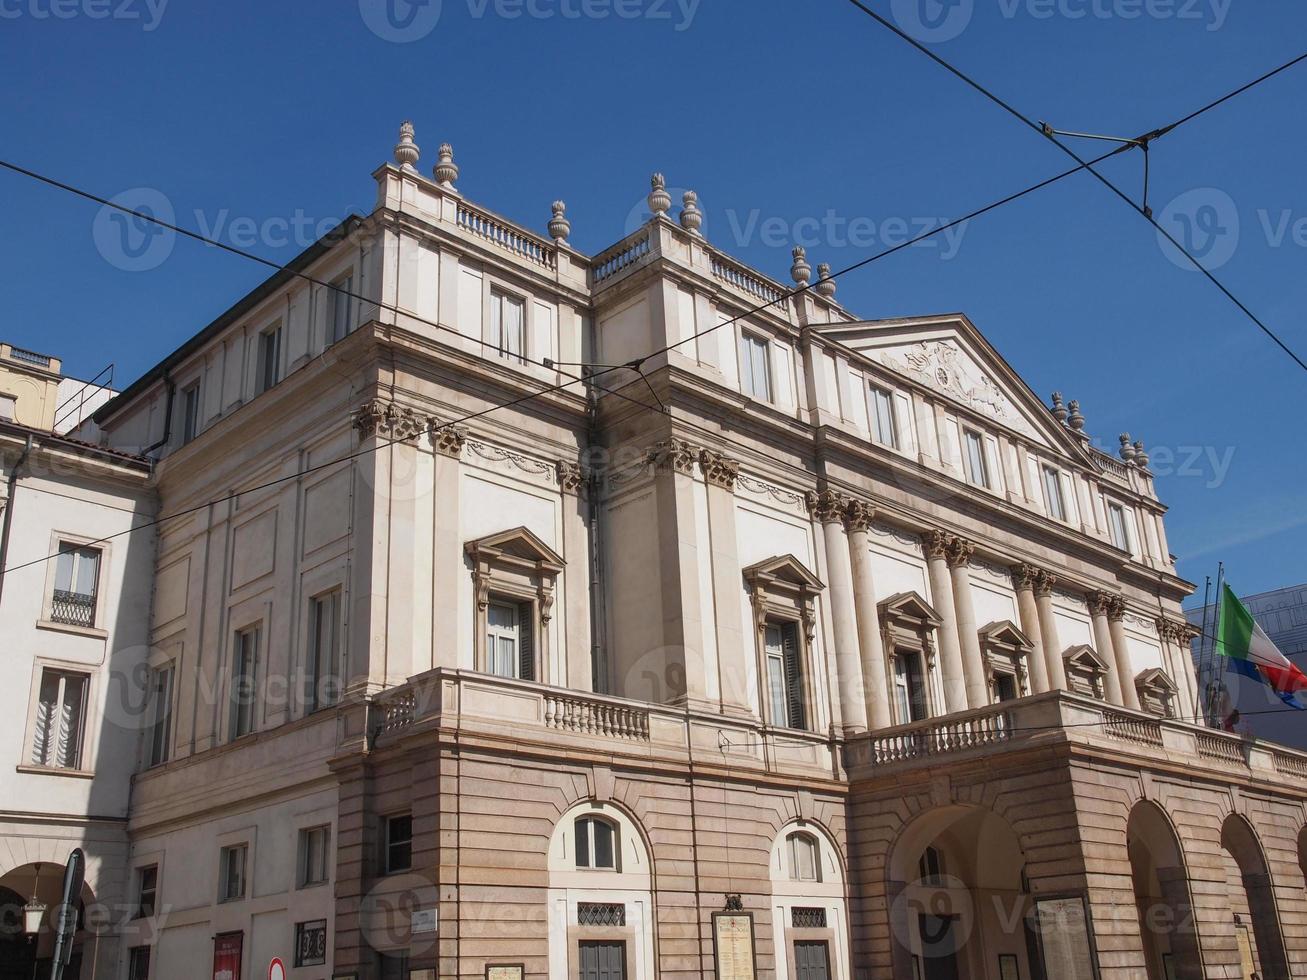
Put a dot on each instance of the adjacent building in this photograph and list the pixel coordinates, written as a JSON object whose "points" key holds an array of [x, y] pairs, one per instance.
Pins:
{"points": [[75, 709], [802, 646]]}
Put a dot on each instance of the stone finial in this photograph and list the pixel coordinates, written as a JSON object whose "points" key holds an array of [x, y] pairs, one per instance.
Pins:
{"points": [[800, 270], [1141, 456], [825, 284], [1059, 409], [1075, 419], [691, 216], [406, 151], [446, 170], [1127, 451], [659, 199], [559, 226]]}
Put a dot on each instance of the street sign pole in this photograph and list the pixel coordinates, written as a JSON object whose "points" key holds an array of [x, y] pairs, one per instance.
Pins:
{"points": [[66, 913]]}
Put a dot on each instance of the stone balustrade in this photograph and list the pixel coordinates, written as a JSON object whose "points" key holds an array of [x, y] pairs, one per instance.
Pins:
{"points": [[507, 236]]}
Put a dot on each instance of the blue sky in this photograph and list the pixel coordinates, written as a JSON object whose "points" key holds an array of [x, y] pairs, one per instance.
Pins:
{"points": [[789, 120]]}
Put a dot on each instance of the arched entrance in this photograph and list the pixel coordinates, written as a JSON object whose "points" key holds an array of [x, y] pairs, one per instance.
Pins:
{"points": [[20, 954], [809, 919], [1252, 901], [959, 901], [1161, 886]]}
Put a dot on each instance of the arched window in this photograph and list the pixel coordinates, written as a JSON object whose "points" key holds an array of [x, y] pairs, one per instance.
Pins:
{"points": [[805, 857], [596, 844]]}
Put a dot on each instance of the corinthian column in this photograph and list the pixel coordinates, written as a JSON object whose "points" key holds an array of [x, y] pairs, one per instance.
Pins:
{"points": [[858, 517], [828, 508], [1024, 578], [973, 663], [941, 594], [1099, 603], [1056, 669], [1121, 651]]}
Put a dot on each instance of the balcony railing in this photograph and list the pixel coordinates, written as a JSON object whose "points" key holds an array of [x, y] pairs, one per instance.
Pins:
{"points": [[72, 608], [30, 357], [497, 231]]}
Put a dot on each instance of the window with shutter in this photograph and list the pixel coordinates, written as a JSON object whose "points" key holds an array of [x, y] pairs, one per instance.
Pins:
{"points": [[793, 676], [526, 641]]}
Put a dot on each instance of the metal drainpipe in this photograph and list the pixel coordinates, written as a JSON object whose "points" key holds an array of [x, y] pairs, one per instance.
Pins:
{"points": [[167, 417], [9, 511]]}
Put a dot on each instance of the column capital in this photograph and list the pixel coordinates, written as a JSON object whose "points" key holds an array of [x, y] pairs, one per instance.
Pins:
{"points": [[1044, 584], [672, 455], [858, 515], [1025, 576], [935, 543], [827, 506], [387, 420], [571, 478], [1107, 604], [959, 552], [448, 439], [719, 469]]}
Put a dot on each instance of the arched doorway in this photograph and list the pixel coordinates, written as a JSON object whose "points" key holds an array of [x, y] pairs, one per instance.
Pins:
{"points": [[959, 900], [1252, 902], [809, 918], [21, 955], [1161, 886], [601, 914]]}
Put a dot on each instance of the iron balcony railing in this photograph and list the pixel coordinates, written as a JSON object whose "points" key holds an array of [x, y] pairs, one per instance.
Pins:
{"points": [[73, 608]]}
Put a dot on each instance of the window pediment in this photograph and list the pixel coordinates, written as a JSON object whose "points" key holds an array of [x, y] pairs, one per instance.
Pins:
{"points": [[909, 609], [1085, 670], [1005, 634], [518, 546], [1156, 691], [784, 572], [1085, 658]]}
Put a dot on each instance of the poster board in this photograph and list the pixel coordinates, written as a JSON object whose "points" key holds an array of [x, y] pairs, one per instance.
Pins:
{"points": [[1064, 938], [733, 945], [227, 948]]}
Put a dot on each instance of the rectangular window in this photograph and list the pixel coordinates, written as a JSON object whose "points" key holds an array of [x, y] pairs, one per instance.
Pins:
{"points": [[1005, 687], [510, 650], [147, 890], [313, 856], [138, 965], [1117, 526], [342, 308], [76, 581], [880, 406], [507, 326], [269, 358], [398, 842], [1053, 493], [977, 468], [231, 873], [755, 371], [160, 714], [785, 676], [60, 720], [311, 943], [323, 678], [244, 678], [909, 687], [190, 412], [7, 403]]}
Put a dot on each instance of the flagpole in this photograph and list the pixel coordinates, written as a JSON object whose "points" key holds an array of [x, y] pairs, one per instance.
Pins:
{"points": [[1199, 695], [1216, 625]]}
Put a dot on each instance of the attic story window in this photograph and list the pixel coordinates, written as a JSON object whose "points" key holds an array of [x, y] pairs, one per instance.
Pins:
{"points": [[514, 574]]}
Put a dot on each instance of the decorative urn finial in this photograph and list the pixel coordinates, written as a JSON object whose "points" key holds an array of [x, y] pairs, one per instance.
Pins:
{"points": [[800, 270], [659, 199], [406, 151], [1141, 456], [1075, 419], [1127, 451], [825, 284], [691, 216], [559, 226], [446, 170], [1059, 409]]}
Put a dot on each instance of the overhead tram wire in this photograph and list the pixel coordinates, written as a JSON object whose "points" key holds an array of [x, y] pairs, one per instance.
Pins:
{"points": [[1088, 165], [572, 379]]}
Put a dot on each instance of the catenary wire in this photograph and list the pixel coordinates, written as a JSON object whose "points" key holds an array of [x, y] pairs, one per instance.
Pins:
{"points": [[1017, 114]]}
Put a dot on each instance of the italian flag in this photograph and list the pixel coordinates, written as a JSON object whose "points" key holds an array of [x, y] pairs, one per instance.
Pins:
{"points": [[1252, 653]]}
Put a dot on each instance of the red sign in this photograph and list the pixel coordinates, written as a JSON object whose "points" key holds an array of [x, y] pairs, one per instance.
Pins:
{"points": [[276, 969], [227, 955]]}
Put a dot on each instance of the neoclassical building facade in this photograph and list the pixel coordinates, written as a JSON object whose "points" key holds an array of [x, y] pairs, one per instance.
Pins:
{"points": [[799, 646]]}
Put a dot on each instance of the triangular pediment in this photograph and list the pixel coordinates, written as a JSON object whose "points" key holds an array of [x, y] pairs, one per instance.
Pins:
{"points": [[949, 356], [1084, 657], [785, 569], [519, 543], [1004, 633], [910, 606], [1156, 679]]}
